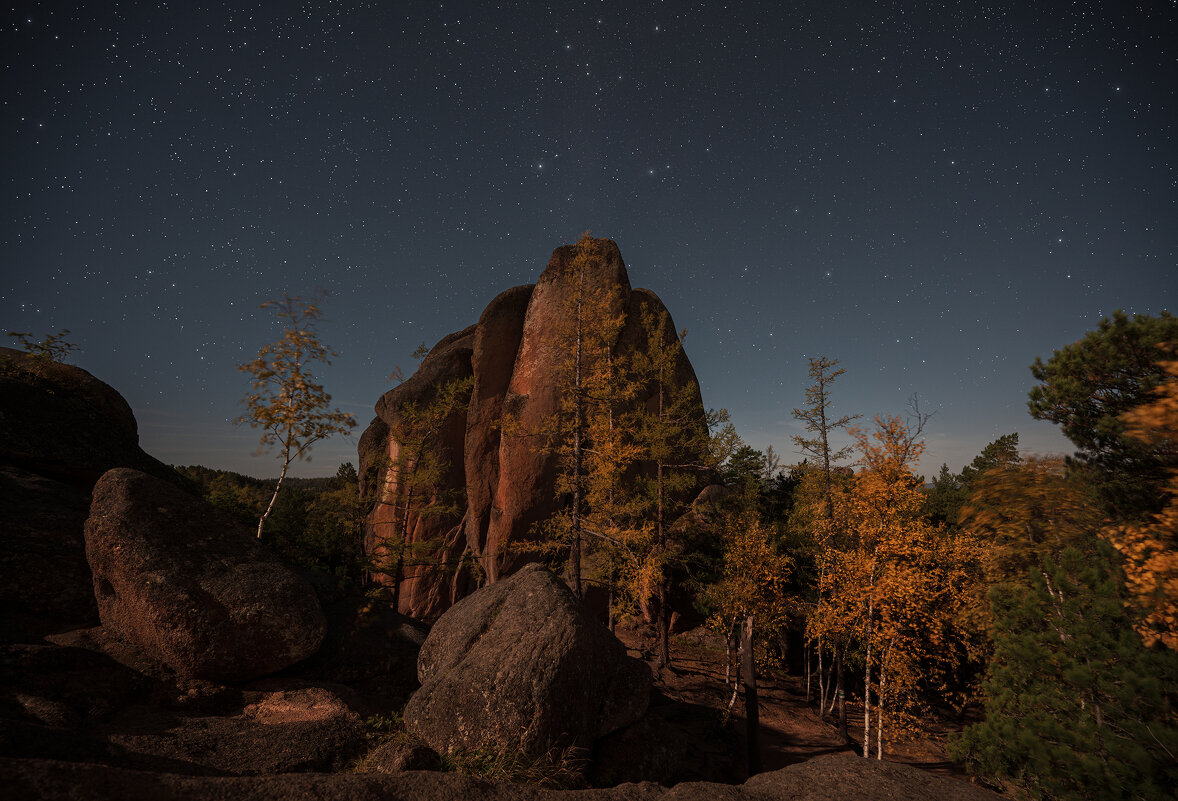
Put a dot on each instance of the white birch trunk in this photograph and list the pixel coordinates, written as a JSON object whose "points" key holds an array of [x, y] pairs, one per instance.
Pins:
{"points": [[867, 686]]}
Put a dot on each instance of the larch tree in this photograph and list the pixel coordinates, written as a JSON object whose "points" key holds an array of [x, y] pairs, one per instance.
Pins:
{"points": [[416, 474], [292, 409], [585, 374], [675, 442], [53, 348], [820, 422]]}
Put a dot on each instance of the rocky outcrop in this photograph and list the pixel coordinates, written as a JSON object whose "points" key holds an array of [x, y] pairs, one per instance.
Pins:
{"points": [[284, 732], [191, 587], [838, 777], [504, 484], [521, 666], [60, 429], [450, 360]]}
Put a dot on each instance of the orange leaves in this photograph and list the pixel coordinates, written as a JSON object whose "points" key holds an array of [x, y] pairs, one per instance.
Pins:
{"points": [[1151, 575], [889, 581], [755, 575], [1151, 548]]}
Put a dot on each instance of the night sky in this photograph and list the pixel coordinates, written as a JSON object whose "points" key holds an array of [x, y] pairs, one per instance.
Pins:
{"points": [[932, 194]]}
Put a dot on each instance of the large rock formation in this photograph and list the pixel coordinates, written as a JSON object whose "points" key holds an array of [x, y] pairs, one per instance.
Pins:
{"points": [[521, 666], [192, 587], [504, 483], [60, 429]]}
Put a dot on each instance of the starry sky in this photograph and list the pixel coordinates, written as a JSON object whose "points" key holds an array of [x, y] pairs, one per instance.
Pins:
{"points": [[934, 194]]}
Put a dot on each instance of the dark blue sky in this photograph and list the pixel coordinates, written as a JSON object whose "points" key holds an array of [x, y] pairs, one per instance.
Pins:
{"points": [[933, 194]]}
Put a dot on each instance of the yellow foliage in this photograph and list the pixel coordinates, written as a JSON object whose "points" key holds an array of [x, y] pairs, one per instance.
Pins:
{"points": [[754, 579], [889, 580], [1151, 548]]}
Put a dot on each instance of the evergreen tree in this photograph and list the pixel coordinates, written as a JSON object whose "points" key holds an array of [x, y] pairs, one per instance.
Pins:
{"points": [[1076, 706], [944, 499], [1088, 386], [949, 491]]}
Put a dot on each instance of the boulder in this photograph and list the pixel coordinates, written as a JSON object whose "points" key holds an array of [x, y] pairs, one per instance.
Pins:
{"points": [[193, 588], [836, 777], [64, 686], [520, 666], [60, 429], [506, 483], [397, 754], [309, 729]]}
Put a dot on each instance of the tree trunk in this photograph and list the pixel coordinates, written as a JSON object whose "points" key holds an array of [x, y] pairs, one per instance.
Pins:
{"points": [[830, 675], [751, 711], [806, 654], [399, 565], [842, 701], [821, 685], [286, 459], [867, 687], [879, 706]]}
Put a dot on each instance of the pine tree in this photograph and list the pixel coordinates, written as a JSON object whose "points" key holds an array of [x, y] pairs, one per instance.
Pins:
{"points": [[1076, 707], [1088, 386]]}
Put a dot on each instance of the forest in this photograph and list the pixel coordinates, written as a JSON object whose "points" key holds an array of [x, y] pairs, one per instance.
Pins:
{"points": [[1039, 591]]}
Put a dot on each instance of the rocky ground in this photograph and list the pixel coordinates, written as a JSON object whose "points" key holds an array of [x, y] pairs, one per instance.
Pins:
{"points": [[791, 731]]}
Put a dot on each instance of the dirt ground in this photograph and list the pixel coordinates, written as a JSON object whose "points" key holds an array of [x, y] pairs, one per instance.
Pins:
{"points": [[790, 729]]}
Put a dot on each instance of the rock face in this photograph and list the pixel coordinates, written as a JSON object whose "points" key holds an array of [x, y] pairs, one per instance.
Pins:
{"points": [[191, 587], [60, 429], [836, 777], [504, 485], [520, 665]]}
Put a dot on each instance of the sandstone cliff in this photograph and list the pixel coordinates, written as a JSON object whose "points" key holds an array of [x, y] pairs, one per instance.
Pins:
{"points": [[504, 484]]}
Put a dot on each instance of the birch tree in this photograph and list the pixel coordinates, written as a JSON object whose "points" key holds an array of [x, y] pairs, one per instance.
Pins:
{"points": [[292, 409]]}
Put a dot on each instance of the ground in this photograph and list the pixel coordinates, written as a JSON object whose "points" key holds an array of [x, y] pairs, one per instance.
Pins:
{"points": [[790, 729]]}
